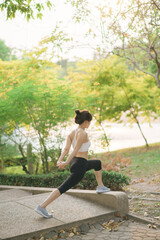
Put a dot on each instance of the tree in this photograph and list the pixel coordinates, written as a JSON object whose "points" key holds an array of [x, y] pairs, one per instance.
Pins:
{"points": [[132, 31], [32, 97], [140, 42], [113, 90], [6, 52], [89, 94], [130, 94]]}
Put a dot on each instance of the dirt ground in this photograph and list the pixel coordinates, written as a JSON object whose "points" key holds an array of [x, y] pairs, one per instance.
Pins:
{"points": [[144, 198]]}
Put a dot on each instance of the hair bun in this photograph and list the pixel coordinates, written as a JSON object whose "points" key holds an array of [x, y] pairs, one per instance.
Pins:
{"points": [[77, 112], [81, 116]]}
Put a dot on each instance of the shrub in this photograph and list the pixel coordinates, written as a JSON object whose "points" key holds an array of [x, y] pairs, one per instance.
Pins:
{"points": [[115, 181], [112, 161]]}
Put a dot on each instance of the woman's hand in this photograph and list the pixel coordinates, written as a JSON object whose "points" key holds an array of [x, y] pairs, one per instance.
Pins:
{"points": [[61, 164], [58, 162]]}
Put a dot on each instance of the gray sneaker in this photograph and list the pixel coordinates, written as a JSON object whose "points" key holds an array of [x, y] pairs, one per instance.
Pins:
{"points": [[43, 212], [102, 189]]}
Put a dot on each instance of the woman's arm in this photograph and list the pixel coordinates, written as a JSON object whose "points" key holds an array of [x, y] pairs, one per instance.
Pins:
{"points": [[66, 149], [80, 139]]}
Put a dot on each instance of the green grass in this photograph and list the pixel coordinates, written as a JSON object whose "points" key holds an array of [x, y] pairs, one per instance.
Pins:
{"points": [[13, 170], [145, 163]]}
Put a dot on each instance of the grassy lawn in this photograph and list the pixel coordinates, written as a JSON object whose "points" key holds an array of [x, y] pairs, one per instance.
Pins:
{"points": [[144, 163], [13, 170]]}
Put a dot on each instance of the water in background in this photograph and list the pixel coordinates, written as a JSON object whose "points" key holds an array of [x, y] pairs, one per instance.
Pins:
{"points": [[122, 136]]}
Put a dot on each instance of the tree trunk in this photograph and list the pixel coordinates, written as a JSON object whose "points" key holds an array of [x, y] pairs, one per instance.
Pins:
{"points": [[157, 77], [37, 166], [23, 160], [43, 163], [1, 154], [105, 135], [29, 158], [134, 116], [45, 155], [46, 158], [2, 160], [147, 145]]}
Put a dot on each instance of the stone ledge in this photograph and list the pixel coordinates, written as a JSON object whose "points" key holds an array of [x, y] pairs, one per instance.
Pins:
{"points": [[113, 199], [34, 190], [118, 201]]}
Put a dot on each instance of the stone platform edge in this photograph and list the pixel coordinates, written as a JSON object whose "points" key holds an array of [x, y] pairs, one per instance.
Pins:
{"points": [[65, 226], [115, 200]]}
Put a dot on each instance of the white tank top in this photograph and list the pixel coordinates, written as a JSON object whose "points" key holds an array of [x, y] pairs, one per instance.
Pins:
{"points": [[85, 146]]}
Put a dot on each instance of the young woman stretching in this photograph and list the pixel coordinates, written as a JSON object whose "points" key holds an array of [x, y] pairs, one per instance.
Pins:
{"points": [[77, 161]]}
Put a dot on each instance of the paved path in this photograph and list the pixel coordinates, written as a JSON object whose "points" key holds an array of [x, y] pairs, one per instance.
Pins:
{"points": [[128, 230]]}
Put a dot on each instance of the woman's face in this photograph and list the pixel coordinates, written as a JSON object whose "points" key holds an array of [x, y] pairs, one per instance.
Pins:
{"points": [[88, 123]]}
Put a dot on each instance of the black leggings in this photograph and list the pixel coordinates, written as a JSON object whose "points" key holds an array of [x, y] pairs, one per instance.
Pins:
{"points": [[78, 167]]}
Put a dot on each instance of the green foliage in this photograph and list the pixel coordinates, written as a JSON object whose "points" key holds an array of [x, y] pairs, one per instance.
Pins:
{"points": [[81, 9], [37, 105], [32, 97], [28, 8], [32, 94], [110, 90], [55, 41], [31, 8], [5, 51], [9, 151], [138, 41], [115, 181], [12, 160]]}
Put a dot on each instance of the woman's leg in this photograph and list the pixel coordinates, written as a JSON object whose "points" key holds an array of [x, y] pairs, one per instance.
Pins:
{"points": [[98, 175], [97, 166], [77, 172], [53, 196], [71, 181]]}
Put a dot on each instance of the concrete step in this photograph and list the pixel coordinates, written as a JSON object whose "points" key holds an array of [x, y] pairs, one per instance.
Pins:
{"points": [[13, 194], [18, 219]]}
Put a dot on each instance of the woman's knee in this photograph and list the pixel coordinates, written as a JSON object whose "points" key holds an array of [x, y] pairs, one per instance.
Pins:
{"points": [[70, 182], [98, 165], [60, 190]]}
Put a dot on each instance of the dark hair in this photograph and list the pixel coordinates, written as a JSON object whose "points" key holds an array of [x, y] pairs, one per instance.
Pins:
{"points": [[82, 116]]}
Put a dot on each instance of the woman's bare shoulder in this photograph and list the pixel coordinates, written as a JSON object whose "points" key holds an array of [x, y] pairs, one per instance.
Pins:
{"points": [[71, 134], [81, 133]]}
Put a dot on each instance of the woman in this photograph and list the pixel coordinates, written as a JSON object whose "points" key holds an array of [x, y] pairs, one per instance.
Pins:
{"points": [[77, 160]]}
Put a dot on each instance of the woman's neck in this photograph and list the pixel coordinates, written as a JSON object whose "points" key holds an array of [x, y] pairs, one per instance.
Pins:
{"points": [[82, 127]]}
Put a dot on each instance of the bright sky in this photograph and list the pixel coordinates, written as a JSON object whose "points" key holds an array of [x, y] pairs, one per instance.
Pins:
{"points": [[20, 34]]}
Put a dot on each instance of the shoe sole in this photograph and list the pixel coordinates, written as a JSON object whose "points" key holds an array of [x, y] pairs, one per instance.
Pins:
{"points": [[103, 191], [40, 213]]}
